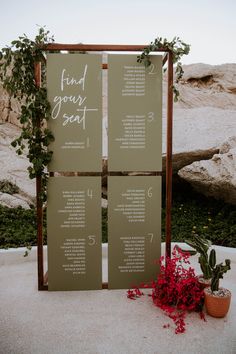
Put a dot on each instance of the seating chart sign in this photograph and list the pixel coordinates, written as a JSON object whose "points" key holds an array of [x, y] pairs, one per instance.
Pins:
{"points": [[74, 84], [74, 218], [74, 233], [134, 114], [134, 226]]}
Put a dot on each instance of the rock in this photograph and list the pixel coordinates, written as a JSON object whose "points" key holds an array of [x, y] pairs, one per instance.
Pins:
{"points": [[208, 86], [229, 144], [215, 177], [4, 105], [9, 108], [205, 115], [14, 167], [14, 111], [197, 134], [13, 201]]}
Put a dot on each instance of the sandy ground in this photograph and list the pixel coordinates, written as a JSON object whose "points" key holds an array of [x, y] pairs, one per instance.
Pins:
{"points": [[100, 322]]}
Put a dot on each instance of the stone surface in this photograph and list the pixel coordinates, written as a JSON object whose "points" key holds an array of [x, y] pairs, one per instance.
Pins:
{"points": [[205, 115], [198, 133], [14, 201], [14, 167], [206, 85], [215, 177], [4, 105], [9, 108]]}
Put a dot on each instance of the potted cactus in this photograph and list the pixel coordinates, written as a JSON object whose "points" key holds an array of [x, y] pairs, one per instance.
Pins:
{"points": [[217, 300]]}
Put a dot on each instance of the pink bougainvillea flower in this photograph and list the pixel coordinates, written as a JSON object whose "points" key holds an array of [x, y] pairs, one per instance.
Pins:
{"points": [[176, 290]]}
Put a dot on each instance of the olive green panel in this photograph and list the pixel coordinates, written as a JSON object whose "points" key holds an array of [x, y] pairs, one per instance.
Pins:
{"points": [[74, 85], [134, 230], [74, 233], [134, 114]]}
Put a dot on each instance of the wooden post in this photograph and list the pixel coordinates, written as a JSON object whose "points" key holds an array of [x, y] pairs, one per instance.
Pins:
{"points": [[169, 153], [37, 74]]}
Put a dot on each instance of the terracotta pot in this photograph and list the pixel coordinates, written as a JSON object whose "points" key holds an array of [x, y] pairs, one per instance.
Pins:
{"points": [[217, 306]]}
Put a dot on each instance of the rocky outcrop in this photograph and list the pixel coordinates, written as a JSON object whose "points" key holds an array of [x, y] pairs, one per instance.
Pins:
{"points": [[208, 107], [206, 85], [4, 105], [215, 177], [14, 201], [205, 115], [14, 169], [9, 108], [198, 133]]}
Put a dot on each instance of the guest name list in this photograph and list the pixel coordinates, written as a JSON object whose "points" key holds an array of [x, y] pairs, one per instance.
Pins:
{"points": [[134, 114], [134, 224], [74, 233]]}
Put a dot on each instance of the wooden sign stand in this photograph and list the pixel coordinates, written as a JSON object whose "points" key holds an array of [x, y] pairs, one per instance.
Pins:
{"points": [[168, 57]]}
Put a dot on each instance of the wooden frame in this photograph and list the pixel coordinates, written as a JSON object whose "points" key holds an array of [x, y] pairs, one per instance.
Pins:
{"points": [[168, 57]]}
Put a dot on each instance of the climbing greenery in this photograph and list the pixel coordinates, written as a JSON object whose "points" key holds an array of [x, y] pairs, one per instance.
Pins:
{"points": [[17, 74], [178, 49]]}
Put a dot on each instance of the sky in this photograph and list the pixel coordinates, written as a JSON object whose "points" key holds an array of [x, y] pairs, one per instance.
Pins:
{"points": [[209, 26]]}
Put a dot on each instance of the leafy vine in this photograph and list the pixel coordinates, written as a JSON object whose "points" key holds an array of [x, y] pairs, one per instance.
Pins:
{"points": [[178, 49], [17, 74]]}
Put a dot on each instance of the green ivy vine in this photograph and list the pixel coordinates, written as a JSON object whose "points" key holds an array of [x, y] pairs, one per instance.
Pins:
{"points": [[17, 75], [178, 49]]}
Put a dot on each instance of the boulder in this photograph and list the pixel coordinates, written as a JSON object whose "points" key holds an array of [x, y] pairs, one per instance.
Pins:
{"points": [[197, 134], [206, 85], [4, 105], [14, 167], [14, 201], [9, 108], [215, 177]]}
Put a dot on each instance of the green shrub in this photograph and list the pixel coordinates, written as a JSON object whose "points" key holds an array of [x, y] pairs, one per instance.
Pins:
{"points": [[18, 227], [191, 213], [194, 213]]}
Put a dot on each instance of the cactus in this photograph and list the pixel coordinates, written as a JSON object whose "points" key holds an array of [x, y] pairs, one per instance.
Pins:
{"points": [[205, 267], [208, 265], [217, 274], [212, 259], [201, 245]]}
